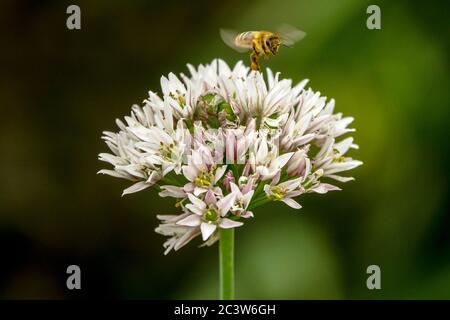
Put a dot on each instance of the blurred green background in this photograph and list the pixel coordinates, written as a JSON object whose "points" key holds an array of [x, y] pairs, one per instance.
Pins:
{"points": [[60, 89]]}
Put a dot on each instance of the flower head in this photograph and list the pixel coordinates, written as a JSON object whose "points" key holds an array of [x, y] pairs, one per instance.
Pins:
{"points": [[224, 141]]}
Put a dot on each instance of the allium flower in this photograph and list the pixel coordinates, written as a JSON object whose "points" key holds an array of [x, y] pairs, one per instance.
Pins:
{"points": [[224, 141], [285, 191], [209, 214], [242, 200]]}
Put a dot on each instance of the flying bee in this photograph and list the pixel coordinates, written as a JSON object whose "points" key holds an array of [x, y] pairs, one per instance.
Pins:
{"points": [[261, 43]]}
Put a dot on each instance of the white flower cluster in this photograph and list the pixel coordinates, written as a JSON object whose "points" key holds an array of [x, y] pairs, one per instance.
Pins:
{"points": [[225, 141]]}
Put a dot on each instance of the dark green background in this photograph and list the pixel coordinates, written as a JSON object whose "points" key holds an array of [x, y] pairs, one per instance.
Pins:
{"points": [[60, 89]]}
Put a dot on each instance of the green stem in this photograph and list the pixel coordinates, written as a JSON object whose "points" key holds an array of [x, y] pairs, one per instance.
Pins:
{"points": [[226, 261]]}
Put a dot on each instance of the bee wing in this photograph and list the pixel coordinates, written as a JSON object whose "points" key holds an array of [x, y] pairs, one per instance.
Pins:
{"points": [[290, 35], [228, 36]]}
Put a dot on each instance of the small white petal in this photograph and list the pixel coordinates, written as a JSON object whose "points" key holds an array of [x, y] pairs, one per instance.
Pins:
{"points": [[340, 179], [219, 173], [207, 230], [188, 236], [324, 188], [210, 198], [172, 191], [225, 204], [196, 201], [194, 209], [189, 172], [113, 173], [192, 220], [267, 189], [291, 184], [226, 223], [247, 198], [234, 188], [138, 186], [198, 191], [291, 203], [247, 214], [283, 159]]}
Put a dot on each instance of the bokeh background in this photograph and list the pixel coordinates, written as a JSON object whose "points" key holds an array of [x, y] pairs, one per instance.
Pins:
{"points": [[60, 89]]}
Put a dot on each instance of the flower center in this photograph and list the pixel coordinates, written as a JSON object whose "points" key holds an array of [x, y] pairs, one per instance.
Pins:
{"points": [[204, 179], [166, 149], [337, 157], [178, 96], [211, 215], [277, 193]]}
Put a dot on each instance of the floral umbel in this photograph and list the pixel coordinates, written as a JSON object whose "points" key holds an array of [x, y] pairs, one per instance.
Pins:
{"points": [[223, 141]]}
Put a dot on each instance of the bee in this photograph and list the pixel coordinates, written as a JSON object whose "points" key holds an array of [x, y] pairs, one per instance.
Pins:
{"points": [[261, 43]]}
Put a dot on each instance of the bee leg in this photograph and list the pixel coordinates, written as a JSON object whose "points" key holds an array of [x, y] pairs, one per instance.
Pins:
{"points": [[254, 61], [254, 57]]}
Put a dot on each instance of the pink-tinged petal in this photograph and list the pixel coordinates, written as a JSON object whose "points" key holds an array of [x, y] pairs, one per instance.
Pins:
{"points": [[138, 186], [304, 139], [230, 141], [267, 189], [291, 184], [276, 178], [324, 188], [342, 166], [263, 172], [197, 160], [229, 178], [189, 172], [283, 159], [172, 191], [219, 173], [169, 244], [251, 126], [326, 148], [192, 208], [234, 188], [228, 223], [248, 186], [291, 203], [343, 146], [113, 173], [247, 214], [167, 217], [188, 236], [207, 230], [246, 169], [225, 204], [293, 194], [192, 220], [340, 179], [196, 201], [210, 198], [247, 198], [153, 178], [166, 168], [308, 167], [189, 187], [198, 191], [218, 191], [261, 154], [175, 218]]}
